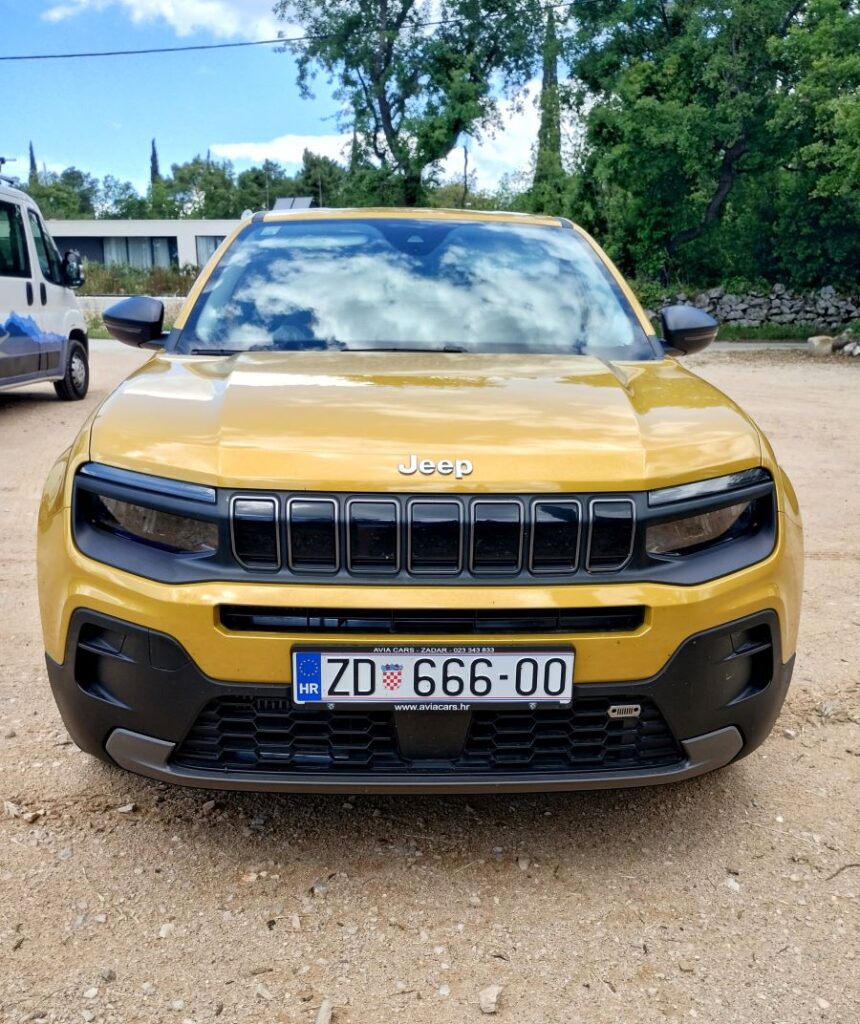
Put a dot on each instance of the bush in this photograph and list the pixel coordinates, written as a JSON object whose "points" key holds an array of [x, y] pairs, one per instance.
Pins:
{"points": [[124, 280], [652, 294]]}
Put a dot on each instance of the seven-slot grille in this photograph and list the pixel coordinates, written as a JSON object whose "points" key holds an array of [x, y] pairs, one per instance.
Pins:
{"points": [[378, 536]]}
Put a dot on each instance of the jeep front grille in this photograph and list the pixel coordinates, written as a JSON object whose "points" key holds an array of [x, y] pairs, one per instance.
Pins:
{"points": [[480, 538]]}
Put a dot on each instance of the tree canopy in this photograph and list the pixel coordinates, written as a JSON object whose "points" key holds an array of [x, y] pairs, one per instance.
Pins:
{"points": [[720, 136], [414, 76], [710, 144]]}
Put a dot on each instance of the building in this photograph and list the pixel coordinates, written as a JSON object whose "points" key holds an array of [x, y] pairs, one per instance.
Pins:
{"points": [[152, 243], [142, 243]]}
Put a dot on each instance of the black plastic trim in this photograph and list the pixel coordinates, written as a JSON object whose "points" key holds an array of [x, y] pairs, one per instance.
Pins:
{"points": [[150, 484], [715, 561], [622, 562], [148, 756], [237, 618], [144, 682], [275, 505]]}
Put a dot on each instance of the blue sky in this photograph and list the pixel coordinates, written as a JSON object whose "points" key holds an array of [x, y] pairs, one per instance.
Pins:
{"points": [[99, 115]]}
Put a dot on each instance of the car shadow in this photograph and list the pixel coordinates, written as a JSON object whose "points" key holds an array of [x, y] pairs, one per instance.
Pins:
{"points": [[334, 832], [18, 398]]}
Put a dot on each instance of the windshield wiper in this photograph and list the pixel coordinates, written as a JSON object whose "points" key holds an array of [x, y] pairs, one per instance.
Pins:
{"points": [[217, 351], [393, 348], [399, 348]]}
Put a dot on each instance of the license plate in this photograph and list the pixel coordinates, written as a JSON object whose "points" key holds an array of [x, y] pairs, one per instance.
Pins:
{"points": [[433, 677]]}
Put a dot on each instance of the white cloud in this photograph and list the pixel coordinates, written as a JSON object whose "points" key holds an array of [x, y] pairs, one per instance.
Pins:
{"points": [[285, 149], [247, 19], [504, 151]]}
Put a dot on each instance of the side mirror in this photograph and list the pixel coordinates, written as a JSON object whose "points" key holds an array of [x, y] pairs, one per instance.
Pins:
{"points": [[137, 321], [73, 269], [687, 329]]}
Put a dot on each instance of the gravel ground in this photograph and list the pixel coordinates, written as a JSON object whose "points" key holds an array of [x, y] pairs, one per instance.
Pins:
{"points": [[732, 898]]}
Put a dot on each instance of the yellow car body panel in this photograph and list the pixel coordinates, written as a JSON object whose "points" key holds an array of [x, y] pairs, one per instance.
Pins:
{"points": [[529, 423]]}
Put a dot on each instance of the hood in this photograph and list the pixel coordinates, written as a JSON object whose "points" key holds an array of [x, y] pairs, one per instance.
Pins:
{"points": [[345, 421]]}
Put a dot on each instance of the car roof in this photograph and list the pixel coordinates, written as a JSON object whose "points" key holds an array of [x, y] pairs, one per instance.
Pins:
{"points": [[10, 192], [411, 213]]}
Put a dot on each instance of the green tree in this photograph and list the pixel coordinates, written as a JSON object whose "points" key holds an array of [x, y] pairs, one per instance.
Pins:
{"points": [[320, 177], [70, 195], [154, 168], [412, 88], [160, 202], [200, 188], [119, 200], [816, 227], [259, 187], [678, 99], [550, 180], [449, 196]]}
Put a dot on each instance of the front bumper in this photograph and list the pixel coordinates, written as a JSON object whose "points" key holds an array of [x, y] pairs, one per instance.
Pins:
{"points": [[148, 756], [133, 695]]}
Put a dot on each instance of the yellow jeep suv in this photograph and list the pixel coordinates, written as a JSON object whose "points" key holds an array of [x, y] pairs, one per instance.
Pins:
{"points": [[417, 500]]}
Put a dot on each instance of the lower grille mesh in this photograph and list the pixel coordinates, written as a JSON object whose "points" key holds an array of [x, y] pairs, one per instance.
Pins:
{"points": [[266, 734], [269, 734], [554, 739]]}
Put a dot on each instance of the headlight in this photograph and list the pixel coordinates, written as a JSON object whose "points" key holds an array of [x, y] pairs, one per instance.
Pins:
{"points": [[712, 487], [152, 526], [144, 524], [683, 535]]}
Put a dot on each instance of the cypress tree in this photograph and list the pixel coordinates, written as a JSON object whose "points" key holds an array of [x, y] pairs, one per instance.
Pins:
{"points": [[154, 169], [548, 185]]}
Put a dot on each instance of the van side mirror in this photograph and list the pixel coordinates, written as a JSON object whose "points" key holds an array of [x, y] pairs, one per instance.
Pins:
{"points": [[687, 329], [73, 269], [138, 321]]}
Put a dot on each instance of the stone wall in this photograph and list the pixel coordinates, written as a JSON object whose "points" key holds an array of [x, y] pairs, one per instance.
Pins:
{"points": [[778, 306]]}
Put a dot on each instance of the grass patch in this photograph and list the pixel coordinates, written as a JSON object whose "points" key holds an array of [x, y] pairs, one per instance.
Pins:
{"points": [[96, 328], [124, 280], [776, 332]]}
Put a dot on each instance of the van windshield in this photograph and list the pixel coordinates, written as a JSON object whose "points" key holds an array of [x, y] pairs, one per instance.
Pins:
{"points": [[413, 285]]}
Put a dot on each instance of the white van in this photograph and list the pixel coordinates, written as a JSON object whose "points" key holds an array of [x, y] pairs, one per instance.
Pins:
{"points": [[43, 334]]}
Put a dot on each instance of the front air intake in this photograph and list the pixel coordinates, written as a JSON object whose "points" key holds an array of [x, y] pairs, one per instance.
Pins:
{"points": [[239, 618]]}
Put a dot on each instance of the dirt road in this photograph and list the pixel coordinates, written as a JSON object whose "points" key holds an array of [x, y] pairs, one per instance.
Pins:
{"points": [[734, 898]]}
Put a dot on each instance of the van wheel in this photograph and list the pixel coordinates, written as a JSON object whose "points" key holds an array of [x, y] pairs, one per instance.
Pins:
{"points": [[75, 384]]}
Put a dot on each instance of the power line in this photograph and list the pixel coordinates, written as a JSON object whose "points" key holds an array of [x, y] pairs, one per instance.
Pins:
{"points": [[280, 41], [154, 49]]}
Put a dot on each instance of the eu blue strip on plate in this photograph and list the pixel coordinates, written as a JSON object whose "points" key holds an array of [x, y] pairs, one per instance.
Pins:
{"points": [[308, 677]]}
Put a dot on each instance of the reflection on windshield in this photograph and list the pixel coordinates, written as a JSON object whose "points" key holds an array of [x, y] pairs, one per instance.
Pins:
{"points": [[415, 285]]}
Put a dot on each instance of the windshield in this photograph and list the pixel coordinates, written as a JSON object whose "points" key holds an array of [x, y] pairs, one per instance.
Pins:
{"points": [[412, 285]]}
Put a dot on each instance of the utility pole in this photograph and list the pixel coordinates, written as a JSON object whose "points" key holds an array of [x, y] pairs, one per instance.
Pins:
{"points": [[465, 175]]}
